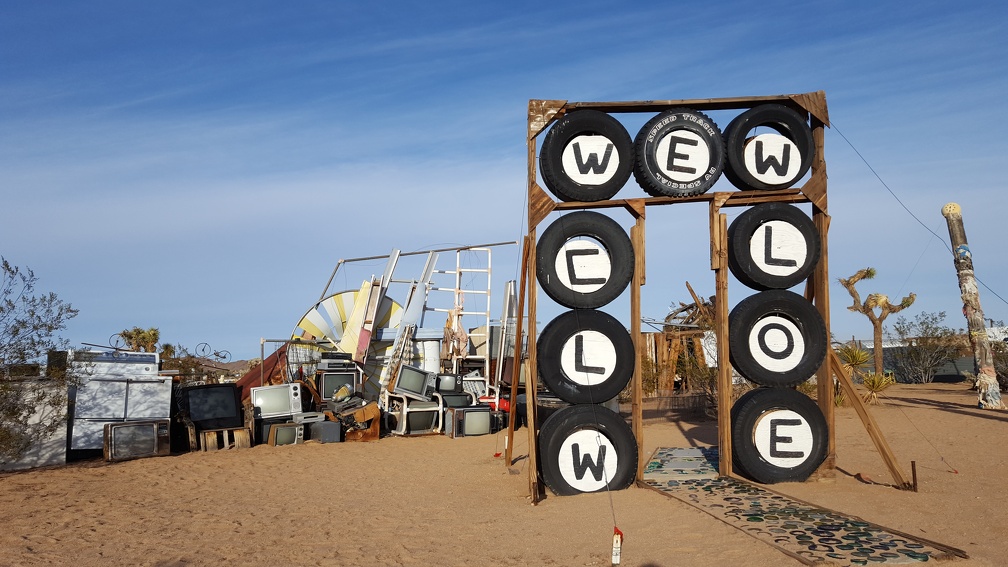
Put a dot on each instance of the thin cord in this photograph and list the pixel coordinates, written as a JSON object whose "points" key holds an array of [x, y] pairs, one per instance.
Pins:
{"points": [[905, 208], [912, 270], [947, 464]]}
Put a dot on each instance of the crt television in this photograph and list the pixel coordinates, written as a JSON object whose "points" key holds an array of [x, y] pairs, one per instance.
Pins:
{"points": [[415, 383], [281, 400], [285, 434], [214, 406], [328, 383], [136, 439], [466, 421]]}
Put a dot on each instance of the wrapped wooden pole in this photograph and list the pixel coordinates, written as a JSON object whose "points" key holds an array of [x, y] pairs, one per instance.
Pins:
{"points": [[986, 378]]}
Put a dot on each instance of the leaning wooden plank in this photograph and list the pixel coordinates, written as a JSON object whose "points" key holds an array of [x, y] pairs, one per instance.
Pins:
{"points": [[869, 423]]}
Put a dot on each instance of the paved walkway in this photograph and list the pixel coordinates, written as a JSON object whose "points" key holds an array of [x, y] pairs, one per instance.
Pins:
{"points": [[808, 533]]}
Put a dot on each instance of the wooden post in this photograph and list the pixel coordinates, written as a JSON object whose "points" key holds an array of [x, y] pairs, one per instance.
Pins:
{"points": [[516, 367], [719, 263], [820, 291], [637, 280], [986, 378]]}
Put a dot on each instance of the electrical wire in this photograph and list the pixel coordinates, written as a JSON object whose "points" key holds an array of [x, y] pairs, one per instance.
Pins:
{"points": [[834, 127]]}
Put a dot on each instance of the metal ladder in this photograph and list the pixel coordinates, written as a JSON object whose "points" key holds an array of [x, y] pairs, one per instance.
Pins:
{"points": [[479, 290]]}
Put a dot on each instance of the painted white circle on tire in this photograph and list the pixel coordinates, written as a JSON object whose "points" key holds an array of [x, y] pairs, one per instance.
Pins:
{"points": [[588, 358], [772, 159], [587, 460], [778, 248], [583, 266], [776, 343], [590, 160], [773, 246], [783, 438], [687, 154]]}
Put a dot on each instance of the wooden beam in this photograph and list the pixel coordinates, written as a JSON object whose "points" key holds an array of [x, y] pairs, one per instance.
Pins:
{"points": [[697, 103], [516, 367], [870, 426], [637, 239], [719, 263], [541, 113]]}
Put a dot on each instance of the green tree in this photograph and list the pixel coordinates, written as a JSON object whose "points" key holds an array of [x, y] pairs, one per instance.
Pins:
{"points": [[871, 303], [927, 345], [28, 327], [141, 340]]}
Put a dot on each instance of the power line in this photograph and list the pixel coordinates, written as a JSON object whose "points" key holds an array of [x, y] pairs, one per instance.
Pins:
{"points": [[905, 208]]}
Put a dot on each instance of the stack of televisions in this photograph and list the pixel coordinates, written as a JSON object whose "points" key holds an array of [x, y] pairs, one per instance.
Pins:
{"points": [[424, 402], [584, 260]]}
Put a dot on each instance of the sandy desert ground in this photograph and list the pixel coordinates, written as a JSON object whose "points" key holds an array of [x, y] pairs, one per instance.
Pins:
{"points": [[440, 501]]}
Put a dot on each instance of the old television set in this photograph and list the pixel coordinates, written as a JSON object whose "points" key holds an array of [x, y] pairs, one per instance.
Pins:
{"points": [[281, 400], [328, 383], [449, 383], [414, 383], [214, 406], [285, 434], [136, 439], [466, 421]]}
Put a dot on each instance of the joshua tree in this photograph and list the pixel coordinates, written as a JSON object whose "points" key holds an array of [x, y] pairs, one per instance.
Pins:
{"points": [[872, 302], [141, 340]]}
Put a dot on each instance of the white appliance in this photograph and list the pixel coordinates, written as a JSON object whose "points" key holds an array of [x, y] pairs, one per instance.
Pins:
{"points": [[115, 387]]}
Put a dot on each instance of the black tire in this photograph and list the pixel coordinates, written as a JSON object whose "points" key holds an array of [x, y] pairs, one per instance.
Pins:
{"points": [[779, 170], [666, 165], [593, 272], [786, 245], [764, 452], [585, 356], [587, 155], [568, 469], [776, 338]]}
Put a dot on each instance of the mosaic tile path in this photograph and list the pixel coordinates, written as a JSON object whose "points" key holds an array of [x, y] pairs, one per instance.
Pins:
{"points": [[808, 533]]}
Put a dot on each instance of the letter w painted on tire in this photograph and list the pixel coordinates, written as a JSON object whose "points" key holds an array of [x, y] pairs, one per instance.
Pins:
{"points": [[592, 164], [597, 467]]}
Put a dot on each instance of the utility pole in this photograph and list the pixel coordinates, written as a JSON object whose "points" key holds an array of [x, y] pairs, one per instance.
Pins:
{"points": [[983, 360]]}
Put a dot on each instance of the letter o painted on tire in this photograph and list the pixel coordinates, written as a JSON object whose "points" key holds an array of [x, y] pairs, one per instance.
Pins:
{"points": [[587, 155], [584, 260], [772, 246], [778, 435], [586, 448], [678, 153], [776, 338], [771, 160], [585, 356]]}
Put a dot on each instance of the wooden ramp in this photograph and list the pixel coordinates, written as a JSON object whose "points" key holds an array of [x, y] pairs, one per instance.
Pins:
{"points": [[810, 534]]}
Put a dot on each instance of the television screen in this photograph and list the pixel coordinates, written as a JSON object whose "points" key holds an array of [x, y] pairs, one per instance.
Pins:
{"points": [[476, 423], [331, 382], [215, 406], [286, 434], [414, 382], [276, 401], [449, 383], [135, 439]]}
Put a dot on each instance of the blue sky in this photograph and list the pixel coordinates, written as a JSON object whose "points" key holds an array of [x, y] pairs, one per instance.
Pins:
{"points": [[202, 168]]}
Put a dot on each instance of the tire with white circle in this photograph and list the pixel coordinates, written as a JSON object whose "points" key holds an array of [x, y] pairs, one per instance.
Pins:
{"points": [[584, 260], [586, 448], [776, 338], [768, 160], [778, 435], [585, 356], [678, 153], [587, 155], [773, 246]]}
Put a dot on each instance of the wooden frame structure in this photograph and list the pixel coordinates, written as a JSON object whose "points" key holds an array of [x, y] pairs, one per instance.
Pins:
{"points": [[541, 113]]}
